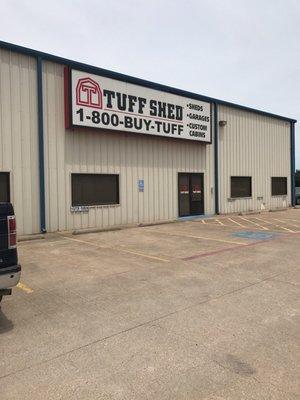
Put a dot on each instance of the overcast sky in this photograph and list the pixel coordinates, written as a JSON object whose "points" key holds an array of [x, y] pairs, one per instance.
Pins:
{"points": [[241, 51]]}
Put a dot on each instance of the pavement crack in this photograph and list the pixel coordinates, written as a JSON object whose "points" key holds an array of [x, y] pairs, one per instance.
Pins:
{"points": [[100, 340], [288, 283]]}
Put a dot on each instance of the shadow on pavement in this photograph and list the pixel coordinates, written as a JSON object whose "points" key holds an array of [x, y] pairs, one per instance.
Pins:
{"points": [[6, 324]]}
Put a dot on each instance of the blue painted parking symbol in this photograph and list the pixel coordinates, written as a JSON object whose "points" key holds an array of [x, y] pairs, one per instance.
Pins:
{"points": [[254, 235]]}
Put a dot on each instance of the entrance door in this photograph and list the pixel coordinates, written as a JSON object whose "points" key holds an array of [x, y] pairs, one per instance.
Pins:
{"points": [[190, 194]]}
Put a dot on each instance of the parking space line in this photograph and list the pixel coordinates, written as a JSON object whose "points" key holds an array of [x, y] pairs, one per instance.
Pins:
{"points": [[215, 224], [214, 239], [197, 237], [289, 219], [232, 220], [118, 249], [276, 225], [284, 222], [25, 288], [263, 220], [85, 242], [203, 222], [286, 229], [221, 223], [142, 255], [254, 223], [213, 252]]}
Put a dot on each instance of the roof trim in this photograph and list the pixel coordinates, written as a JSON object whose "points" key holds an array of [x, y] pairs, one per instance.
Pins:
{"points": [[133, 80]]}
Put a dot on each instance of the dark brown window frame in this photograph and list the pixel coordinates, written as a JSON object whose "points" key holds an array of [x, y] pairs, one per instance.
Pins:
{"points": [[243, 196], [272, 186], [8, 184], [76, 202]]}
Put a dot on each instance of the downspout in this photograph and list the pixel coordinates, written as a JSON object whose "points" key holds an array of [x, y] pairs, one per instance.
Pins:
{"points": [[41, 144], [216, 157], [293, 163]]}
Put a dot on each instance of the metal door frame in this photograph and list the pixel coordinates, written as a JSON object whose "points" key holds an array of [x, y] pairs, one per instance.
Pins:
{"points": [[178, 192]]}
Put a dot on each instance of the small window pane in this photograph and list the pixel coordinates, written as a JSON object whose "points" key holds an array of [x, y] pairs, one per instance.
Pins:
{"points": [[241, 186], [4, 187], [94, 189], [279, 186]]}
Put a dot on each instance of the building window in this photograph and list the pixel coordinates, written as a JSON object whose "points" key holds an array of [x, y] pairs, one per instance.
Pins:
{"points": [[94, 189], [4, 187], [279, 186], [241, 186]]}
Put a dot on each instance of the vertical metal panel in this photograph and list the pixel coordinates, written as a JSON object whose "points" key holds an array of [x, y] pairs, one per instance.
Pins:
{"points": [[253, 145], [18, 136], [132, 156]]}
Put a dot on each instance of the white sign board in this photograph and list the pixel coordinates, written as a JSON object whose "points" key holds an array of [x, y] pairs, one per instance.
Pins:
{"points": [[106, 103]]}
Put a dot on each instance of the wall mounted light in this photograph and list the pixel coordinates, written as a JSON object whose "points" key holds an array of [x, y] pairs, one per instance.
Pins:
{"points": [[222, 123]]}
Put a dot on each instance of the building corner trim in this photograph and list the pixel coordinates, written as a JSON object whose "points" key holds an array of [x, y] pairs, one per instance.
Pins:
{"points": [[216, 157], [293, 165], [41, 143]]}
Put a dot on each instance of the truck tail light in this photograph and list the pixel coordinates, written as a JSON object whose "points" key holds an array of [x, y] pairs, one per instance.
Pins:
{"points": [[12, 232]]}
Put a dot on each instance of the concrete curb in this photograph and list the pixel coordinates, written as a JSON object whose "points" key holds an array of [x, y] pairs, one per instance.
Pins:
{"points": [[119, 227], [25, 238]]}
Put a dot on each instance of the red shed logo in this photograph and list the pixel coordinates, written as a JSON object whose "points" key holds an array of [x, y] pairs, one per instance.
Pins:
{"points": [[88, 93]]}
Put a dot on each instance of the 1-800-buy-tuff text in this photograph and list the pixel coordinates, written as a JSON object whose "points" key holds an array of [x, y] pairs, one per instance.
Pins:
{"points": [[130, 122]]}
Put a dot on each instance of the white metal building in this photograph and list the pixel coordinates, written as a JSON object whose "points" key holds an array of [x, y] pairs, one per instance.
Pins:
{"points": [[82, 147]]}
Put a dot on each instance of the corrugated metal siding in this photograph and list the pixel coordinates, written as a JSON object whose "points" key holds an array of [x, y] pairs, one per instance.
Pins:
{"points": [[134, 157], [257, 146], [18, 136], [249, 145]]}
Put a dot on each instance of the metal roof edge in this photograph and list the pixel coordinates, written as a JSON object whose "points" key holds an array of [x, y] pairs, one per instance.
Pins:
{"points": [[133, 80]]}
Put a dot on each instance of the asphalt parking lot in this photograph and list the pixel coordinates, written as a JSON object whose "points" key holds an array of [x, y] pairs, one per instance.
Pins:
{"points": [[197, 309]]}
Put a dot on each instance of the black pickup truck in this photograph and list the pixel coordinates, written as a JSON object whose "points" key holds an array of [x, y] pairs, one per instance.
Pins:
{"points": [[10, 270]]}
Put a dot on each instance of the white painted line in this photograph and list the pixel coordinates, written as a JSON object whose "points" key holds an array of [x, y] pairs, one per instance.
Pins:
{"points": [[117, 249], [263, 220], [203, 222], [286, 229], [284, 222], [221, 223], [214, 239], [276, 225], [198, 237], [232, 220], [254, 223], [142, 255], [85, 242], [294, 220]]}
